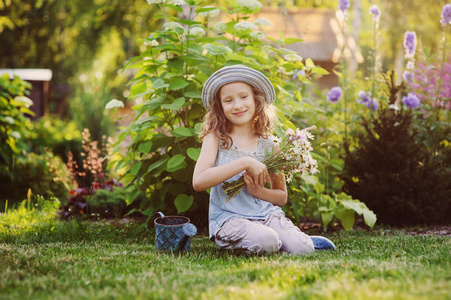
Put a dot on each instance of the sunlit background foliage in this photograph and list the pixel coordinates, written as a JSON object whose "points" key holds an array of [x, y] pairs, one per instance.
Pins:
{"points": [[97, 49]]}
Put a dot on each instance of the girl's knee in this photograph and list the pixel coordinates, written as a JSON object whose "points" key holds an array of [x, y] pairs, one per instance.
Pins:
{"points": [[265, 241]]}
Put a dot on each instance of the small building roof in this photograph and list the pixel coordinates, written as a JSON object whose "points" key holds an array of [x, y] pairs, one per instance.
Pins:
{"points": [[29, 74], [318, 28]]}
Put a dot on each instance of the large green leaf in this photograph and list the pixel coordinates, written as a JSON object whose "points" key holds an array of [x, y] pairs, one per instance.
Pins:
{"points": [[154, 103], [319, 70], [370, 218], [183, 202], [176, 105], [176, 162], [157, 164], [175, 63], [135, 168], [159, 83], [138, 88], [289, 41], [193, 94], [193, 153], [359, 207], [189, 22], [182, 132], [326, 218], [145, 147], [177, 84], [347, 218], [205, 9]]}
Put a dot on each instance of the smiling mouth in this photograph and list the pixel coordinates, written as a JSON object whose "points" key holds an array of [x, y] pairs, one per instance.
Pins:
{"points": [[240, 113]]}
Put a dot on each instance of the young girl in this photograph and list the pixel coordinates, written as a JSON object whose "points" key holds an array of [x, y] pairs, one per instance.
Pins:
{"points": [[235, 133]]}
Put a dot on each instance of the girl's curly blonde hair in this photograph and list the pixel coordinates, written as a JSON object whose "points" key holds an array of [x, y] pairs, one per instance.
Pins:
{"points": [[216, 122]]}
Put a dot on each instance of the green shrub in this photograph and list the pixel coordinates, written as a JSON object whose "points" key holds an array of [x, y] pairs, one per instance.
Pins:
{"points": [[58, 136], [108, 203], [45, 175], [308, 200], [13, 122], [393, 173]]}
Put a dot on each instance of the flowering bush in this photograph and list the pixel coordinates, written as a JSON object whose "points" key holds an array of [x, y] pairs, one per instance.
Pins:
{"points": [[90, 179], [380, 168], [424, 80]]}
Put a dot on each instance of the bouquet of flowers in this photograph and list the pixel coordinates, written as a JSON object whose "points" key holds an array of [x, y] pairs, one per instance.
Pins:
{"points": [[290, 155]]}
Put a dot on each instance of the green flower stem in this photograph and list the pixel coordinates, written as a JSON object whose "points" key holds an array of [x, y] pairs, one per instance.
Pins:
{"points": [[374, 61], [437, 93], [154, 62], [344, 76]]}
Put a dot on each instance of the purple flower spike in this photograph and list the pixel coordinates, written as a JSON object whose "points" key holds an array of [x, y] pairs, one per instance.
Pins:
{"points": [[411, 100], [334, 94], [374, 9], [410, 43], [446, 14], [343, 5], [374, 105], [364, 97], [407, 76]]}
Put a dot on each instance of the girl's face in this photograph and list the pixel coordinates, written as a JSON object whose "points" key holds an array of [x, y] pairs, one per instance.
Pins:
{"points": [[238, 104]]}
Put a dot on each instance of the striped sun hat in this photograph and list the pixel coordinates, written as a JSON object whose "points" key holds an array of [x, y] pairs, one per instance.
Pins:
{"points": [[236, 73]]}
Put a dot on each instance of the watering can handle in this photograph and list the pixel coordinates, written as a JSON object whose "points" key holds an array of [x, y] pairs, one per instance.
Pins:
{"points": [[159, 213]]}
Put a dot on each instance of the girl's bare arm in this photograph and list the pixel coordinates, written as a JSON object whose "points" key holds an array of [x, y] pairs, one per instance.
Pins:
{"points": [[206, 176]]}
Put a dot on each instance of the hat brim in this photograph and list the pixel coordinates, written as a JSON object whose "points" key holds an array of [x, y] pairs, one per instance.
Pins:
{"points": [[236, 73]]}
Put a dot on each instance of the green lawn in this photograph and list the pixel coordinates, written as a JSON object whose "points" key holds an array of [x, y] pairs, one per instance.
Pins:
{"points": [[84, 260]]}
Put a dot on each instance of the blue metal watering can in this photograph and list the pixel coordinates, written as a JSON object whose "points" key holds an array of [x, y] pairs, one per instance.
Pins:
{"points": [[173, 232]]}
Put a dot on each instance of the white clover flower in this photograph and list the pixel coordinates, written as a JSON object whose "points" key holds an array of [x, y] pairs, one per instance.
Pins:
{"points": [[172, 25], [244, 25], [249, 4], [262, 22], [212, 13], [197, 31], [154, 2], [219, 27], [293, 57], [114, 104], [176, 2], [258, 35]]}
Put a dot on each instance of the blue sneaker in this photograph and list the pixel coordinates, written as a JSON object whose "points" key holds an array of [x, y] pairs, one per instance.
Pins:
{"points": [[322, 243]]}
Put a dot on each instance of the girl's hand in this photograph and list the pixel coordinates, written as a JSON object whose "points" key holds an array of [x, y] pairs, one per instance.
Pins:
{"points": [[260, 175], [251, 188]]}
